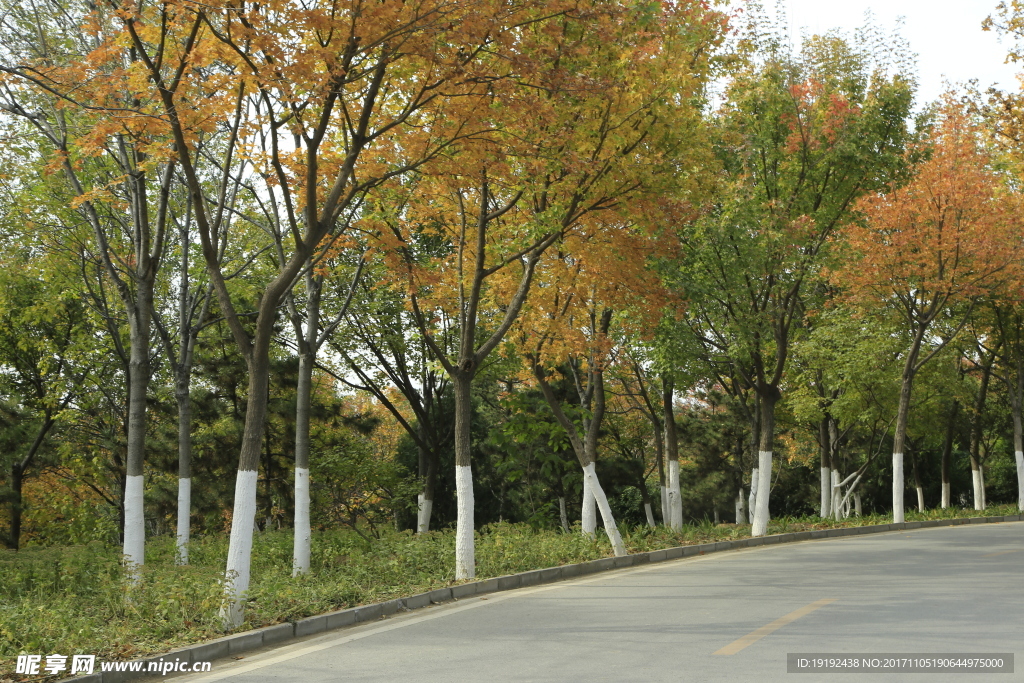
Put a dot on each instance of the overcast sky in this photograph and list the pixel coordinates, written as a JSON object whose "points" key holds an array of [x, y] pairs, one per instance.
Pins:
{"points": [[945, 34]]}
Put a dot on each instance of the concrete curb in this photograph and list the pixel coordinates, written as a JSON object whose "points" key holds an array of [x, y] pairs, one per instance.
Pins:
{"points": [[232, 645]]}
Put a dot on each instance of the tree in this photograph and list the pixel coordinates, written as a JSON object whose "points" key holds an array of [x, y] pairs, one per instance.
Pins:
{"points": [[799, 139], [930, 249], [117, 179], [566, 143]]}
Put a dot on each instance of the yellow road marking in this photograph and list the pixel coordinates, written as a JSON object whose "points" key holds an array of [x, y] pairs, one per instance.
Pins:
{"points": [[1005, 552], [751, 638]]}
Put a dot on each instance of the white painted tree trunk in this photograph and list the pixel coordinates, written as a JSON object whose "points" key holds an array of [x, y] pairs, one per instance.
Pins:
{"points": [[945, 495], [741, 507], [184, 518], [752, 498], [920, 499], [666, 515], [562, 514], [424, 506], [825, 476], [976, 480], [764, 485], [588, 516], [1019, 456], [675, 500], [134, 523], [650, 515], [897, 488], [590, 474], [465, 560], [856, 504], [837, 495], [303, 533], [981, 475], [243, 519]]}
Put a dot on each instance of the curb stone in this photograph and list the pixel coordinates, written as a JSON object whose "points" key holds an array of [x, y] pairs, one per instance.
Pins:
{"points": [[247, 641]]}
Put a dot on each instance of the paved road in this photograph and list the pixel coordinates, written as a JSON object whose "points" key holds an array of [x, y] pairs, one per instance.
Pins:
{"points": [[732, 616]]}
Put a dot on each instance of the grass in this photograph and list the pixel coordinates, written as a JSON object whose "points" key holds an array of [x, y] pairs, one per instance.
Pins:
{"points": [[75, 600]]}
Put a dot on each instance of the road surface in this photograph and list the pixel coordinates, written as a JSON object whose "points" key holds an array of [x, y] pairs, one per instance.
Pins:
{"points": [[731, 616]]}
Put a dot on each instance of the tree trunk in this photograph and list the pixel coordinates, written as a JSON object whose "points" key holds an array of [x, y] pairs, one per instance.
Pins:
{"points": [[563, 516], [755, 479], [465, 561], [308, 344], [134, 549], [741, 506], [243, 516], [769, 397], [610, 527], [586, 448], [833, 456], [917, 482], [18, 468], [825, 469], [302, 532], [976, 482], [425, 499], [675, 501], [947, 452], [977, 432], [902, 412], [182, 396], [755, 440], [645, 497], [837, 494], [588, 510], [659, 459], [981, 475]]}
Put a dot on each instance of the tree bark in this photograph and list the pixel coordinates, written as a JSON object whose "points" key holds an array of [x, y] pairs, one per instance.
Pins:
{"points": [[586, 447], [675, 501], [769, 397], [917, 481], [428, 466], [588, 510], [308, 343], [947, 452], [465, 562], [902, 413], [977, 432], [825, 469], [243, 517], [134, 549], [183, 398]]}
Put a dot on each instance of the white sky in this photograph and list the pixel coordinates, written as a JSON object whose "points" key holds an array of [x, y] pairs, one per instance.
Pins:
{"points": [[945, 34]]}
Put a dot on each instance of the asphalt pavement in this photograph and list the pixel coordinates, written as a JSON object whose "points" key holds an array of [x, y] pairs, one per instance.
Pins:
{"points": [[731, 616]]}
